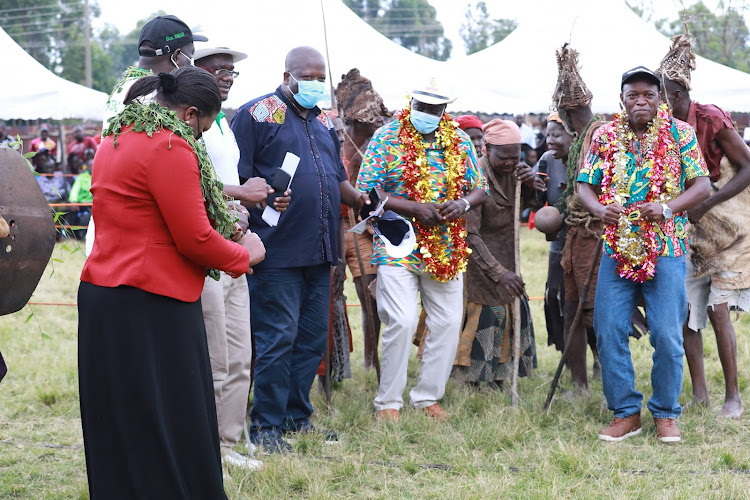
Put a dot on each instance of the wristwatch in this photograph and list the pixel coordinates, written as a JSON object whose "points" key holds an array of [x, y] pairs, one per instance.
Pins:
{"points": [[468, 205], [666, 211]]}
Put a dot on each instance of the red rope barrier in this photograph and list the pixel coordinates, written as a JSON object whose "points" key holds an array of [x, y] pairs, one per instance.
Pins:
{"points": [[353, 304]]}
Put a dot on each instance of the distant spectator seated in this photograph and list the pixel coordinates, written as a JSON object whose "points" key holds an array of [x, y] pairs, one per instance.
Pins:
{"points": [[81, 143], [80, 192], [88, 159], [5, 139], [44, 141]]}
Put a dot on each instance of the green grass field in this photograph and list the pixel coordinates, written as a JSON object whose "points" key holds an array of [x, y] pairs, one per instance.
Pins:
{"points": [[488, 449]]}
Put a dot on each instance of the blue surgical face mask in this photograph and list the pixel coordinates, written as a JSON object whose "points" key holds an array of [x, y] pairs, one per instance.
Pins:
{"points": [[425, 123], [309, 92]]}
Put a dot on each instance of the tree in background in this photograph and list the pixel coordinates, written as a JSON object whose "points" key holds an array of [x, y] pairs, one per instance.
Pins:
{"points": [[478, 31], [52, 31], [720, 35], [410, 23]]}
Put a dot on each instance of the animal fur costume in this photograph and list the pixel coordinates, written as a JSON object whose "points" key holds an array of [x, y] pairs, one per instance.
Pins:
{"points": [[721, 240]]}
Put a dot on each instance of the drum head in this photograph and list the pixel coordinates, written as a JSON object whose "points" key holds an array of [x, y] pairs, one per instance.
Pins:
{"points": [[26, 249]]}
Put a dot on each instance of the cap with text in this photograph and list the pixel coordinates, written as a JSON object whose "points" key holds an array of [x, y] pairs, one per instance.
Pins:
{"points": [[164, 35]]}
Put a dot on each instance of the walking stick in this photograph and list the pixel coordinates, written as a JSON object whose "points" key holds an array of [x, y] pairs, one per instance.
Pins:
{"points": [[371, 335], [576, 320], [517, 300], [327, 379]]}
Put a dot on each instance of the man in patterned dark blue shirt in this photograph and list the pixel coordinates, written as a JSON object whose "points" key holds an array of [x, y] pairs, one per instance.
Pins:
{"points": [[290, 290]]}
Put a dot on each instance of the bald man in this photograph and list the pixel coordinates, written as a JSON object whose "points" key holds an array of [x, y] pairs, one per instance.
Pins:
{"points": [[290, 291]]}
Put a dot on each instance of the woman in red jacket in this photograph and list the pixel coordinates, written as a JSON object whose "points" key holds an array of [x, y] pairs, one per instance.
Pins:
{"points": [[147, 403]]}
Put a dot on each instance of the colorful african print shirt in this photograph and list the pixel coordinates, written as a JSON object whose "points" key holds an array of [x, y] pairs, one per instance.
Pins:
{"points": [[382, 168], [673, 236]]}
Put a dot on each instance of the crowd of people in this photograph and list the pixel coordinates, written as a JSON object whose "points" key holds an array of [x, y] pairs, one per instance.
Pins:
{"points": [[219, 249]]}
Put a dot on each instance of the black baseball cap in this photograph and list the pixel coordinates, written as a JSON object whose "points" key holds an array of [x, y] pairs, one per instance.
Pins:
{"points": [[166, 34], [643, 71]]}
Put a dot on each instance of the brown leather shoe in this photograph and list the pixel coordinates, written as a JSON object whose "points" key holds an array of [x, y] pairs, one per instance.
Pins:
{"points": [[667, 430], [436, 412], [622, 428], [388, 415]]}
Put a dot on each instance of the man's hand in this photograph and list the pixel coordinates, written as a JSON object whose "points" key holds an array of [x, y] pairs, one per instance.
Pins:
{"points": [[525, 174], [652, 212], [452, 209], [362, 200], [427, 214], [255, 247], [540, 182], [254, 190], [282, 202], [697, 213], [513, 284], [610, 214]]}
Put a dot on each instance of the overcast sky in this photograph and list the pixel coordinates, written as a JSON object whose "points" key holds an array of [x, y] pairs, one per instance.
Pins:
{"points": [[451, 13]]}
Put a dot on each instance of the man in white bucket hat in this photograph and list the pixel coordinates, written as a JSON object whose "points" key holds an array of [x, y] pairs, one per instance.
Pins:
{"points": [[426, 169]]}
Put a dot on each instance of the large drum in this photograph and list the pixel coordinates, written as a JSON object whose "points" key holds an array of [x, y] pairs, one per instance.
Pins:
{"points": [[27, 232]]}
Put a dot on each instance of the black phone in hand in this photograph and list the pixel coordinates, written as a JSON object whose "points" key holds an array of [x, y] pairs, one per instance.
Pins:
{"points": [[279, 184], [374, 202]]}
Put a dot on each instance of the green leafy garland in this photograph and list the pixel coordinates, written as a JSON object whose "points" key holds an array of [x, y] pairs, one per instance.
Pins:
{"points": [[572, 167], [152, 117]]}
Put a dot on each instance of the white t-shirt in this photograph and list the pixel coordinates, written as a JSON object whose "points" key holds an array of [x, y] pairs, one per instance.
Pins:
{"points": [[221, 146]]}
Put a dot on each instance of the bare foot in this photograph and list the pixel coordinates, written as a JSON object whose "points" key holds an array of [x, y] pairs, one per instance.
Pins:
{"points": [[731, 409], [696, 403], [597, 371]]}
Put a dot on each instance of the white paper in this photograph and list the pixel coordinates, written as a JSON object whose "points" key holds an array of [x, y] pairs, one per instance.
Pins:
{"points": [[362, 226], [270, 214]]}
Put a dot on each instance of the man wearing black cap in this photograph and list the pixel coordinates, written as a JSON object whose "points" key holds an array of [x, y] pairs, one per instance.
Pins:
{"points": [[165, 43], [643, 171]]}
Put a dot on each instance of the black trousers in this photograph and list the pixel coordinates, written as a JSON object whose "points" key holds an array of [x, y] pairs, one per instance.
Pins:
{"points": [[147, 401]]}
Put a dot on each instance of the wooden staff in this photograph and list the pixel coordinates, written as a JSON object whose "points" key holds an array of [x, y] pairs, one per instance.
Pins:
{"points": [[517, 299], [371, 335], [327, 378], [576, 321]]}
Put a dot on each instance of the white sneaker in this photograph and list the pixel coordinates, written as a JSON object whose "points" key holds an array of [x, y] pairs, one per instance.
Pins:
{"points": [[237, 460]]}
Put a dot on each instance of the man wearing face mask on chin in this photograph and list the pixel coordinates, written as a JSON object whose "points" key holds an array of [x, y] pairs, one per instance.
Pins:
{"points": [[164, 44], [426, 169], [290, 292]]}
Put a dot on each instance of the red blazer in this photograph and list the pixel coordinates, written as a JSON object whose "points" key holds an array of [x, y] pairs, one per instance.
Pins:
{"points": [[152, 231]]}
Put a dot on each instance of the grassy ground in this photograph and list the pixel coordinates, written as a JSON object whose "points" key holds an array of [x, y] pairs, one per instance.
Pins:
{"points": [[487, 450]]}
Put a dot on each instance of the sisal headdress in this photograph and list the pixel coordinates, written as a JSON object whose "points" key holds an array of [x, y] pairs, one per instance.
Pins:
{"points": [[358, 100], [680, 60], [570, 91]]}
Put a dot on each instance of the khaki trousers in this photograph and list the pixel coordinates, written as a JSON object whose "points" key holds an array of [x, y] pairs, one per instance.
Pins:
{"points": [[226, 314], [397, 307]]}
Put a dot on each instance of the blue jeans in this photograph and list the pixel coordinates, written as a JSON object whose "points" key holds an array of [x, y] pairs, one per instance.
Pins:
{"points": [[666, 310], [289, 315]]}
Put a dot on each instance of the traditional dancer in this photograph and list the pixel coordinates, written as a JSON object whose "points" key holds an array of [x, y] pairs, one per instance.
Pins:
{"points": [[572, 99], [718, 273]]}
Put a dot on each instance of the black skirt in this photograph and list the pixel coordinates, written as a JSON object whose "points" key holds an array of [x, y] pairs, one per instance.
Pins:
{"points": [[147, 398]]}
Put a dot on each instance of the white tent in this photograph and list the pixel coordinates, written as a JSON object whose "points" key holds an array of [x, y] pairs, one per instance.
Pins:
{"points": [[518, 74], [276, 27], [29, 91]]}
